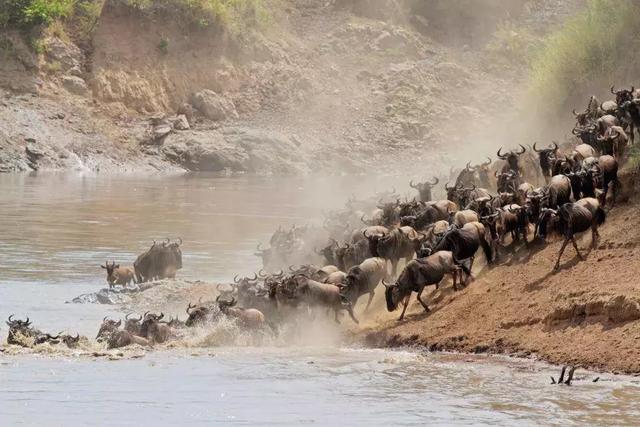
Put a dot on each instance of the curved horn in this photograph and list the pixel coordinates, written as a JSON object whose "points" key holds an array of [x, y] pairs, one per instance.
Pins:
{"points": [[412, 185], [104, 319], [435, 181], [161, 316], [190, 307], [468, 166], [259, 247], [536, 149], [613, 91], [499, 154], [180, 240], [555, 145], [386, 285], [523, 149], [126, 316], [119, 323], [262, 274], [236, 279], [446, 186], [11, 317], [574, 112], [488, 162], [255, 277]]}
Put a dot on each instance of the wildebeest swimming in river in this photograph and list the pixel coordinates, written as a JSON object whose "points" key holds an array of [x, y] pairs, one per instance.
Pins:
{"points": [[160, 261]]}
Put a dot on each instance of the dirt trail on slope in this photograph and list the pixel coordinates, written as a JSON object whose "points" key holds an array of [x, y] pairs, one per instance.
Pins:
{"points": [[587, 314]]}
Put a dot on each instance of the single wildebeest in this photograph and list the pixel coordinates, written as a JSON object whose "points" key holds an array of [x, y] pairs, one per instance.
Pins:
{"points": [[107, 328], [483, 173], [558, 192], [418, 274], [512, 160], [153, 330], [363, 279], [605, 173], [575, 218], [337, 278], [249, 318], [398, 244], [546, 158], [119, 339], [161, 261], [629, 106], [132, 324], [614, 142], [199, 314], [464, 243], [70, 341], [117, 275], [316, 294], [424, 189], [463, 217]]}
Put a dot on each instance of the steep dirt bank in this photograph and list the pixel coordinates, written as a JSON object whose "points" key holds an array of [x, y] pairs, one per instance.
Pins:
{"points": [[344, 86], [586, 314]]}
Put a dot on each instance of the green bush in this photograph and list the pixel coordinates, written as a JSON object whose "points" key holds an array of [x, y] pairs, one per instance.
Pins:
{"points": [[26, 14], [596, 46], [236, 15]]}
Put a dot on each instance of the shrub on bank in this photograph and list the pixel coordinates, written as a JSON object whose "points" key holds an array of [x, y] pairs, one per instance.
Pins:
{"points": [[597, 45], [26, 14]]}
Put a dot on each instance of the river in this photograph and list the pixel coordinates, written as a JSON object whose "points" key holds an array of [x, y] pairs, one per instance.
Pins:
{"points": [[56, 230]]}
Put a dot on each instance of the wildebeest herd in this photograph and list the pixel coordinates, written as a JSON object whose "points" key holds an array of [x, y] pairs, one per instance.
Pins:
{"points": [[497, 208]]}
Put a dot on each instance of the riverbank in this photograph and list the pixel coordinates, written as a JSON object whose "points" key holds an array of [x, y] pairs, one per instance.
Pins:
{"points": [[586, 314]]}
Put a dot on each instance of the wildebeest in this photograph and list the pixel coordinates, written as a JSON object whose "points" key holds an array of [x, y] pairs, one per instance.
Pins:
{"points": [[424, 189], [629, 105], [117, 275], [574, 218], [418, 274], [153, 330], [315, 294], [200, 314], [161, 261], [121, 338], [132, 324], [546, 158], [464, 243], [107, 328], [363, 279], [558, 192], [511, 158], [399, 243], [249, 318], [614, 142], [605, 173]]}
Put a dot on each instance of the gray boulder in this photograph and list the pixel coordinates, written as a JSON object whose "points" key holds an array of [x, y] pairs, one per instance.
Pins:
{"points": [[74, 84], [214, 106]]}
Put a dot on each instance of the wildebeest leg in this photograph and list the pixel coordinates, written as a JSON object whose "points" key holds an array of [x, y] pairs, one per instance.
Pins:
{"points": [[371, 294], [564, 245], [350, 311], [575, 246], [420, 299], [595, 236], [336, 316], [406, 304]]}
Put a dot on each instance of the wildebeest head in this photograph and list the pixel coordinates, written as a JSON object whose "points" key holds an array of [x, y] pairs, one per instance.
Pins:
{"points": [[547, 221], [546, 156], [452, 192], [107, 328], [424, 188], [512, 157], [623, 95], [174, 247], [17, 323], [148, 320], [70, 341], [198, 314], [225, 304], [373, 239], [132, 324], [110, 269], [392, 295]]}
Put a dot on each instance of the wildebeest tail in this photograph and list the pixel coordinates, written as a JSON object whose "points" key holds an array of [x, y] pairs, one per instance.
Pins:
{"points": [[600, 216]]}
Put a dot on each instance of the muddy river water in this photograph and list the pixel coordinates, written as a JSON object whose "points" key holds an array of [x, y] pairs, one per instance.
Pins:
{"points": [[55, 231]]}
